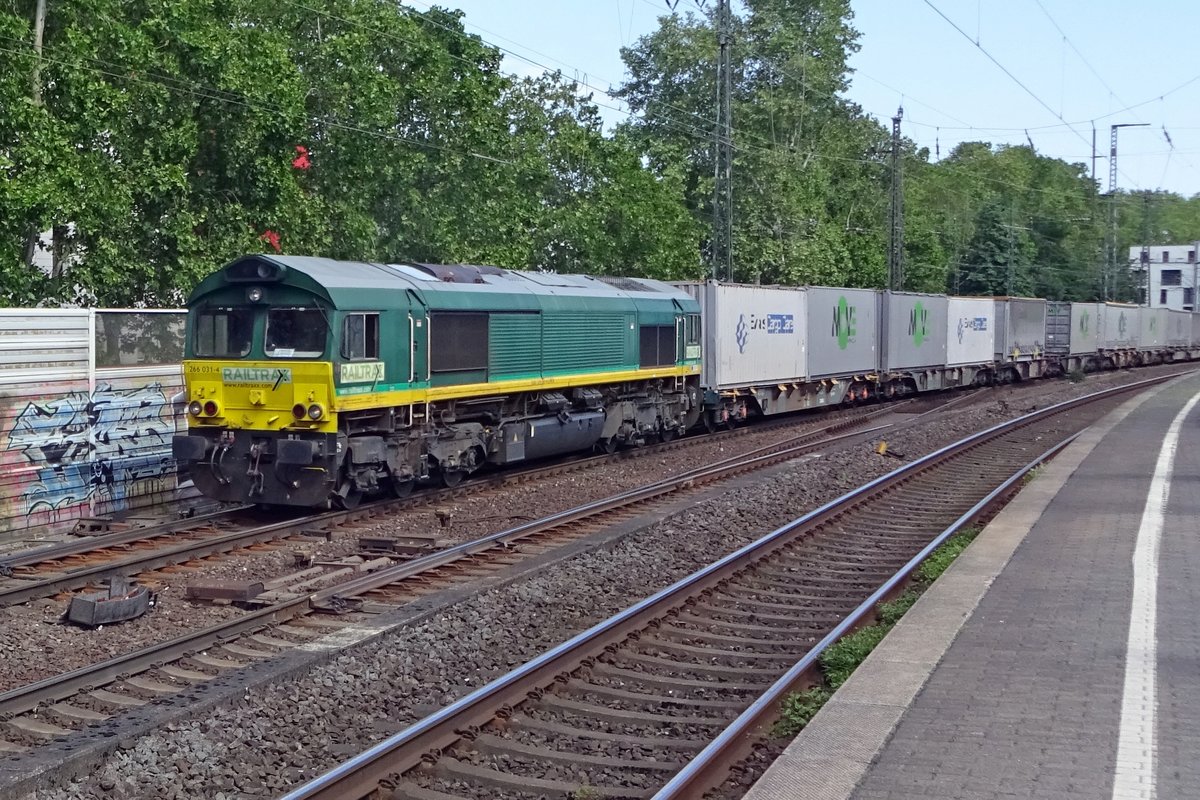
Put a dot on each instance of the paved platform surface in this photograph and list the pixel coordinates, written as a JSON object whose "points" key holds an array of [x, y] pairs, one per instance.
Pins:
{"points": [[1019, 674]]}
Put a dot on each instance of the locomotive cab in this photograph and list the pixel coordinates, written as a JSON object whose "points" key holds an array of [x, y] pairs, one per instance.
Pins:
{"points": [[261, 352]]}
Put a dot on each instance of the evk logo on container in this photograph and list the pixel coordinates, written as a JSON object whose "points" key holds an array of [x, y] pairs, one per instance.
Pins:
{"points": [[770, 324], [971, 324]]}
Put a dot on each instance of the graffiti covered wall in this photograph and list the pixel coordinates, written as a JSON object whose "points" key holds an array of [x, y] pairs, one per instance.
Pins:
{"points": [[86, 415]]}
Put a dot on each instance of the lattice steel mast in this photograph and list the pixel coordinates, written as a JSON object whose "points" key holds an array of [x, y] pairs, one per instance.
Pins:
{"points": [[896, 211]]}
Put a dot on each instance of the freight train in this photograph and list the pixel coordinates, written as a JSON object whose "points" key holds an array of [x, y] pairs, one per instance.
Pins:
{"points": [[314, 382]]}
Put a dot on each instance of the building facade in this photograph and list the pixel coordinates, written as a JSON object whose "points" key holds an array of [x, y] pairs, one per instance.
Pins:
{"points": [[1172, 272]]}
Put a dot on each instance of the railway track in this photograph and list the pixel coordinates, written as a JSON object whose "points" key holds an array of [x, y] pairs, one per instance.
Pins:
{"points": [[660, 700], [75, 565], [57, 706]]}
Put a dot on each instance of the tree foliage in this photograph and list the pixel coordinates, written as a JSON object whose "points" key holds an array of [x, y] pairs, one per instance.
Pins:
{"points": [[171, 137], [175, 136]]}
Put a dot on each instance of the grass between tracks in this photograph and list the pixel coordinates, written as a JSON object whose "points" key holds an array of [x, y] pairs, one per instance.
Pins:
{"points": [[840, 659]]}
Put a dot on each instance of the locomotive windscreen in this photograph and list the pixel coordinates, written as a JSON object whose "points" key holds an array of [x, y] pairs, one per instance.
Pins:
{"points": [[295, 332], [224, 332]]}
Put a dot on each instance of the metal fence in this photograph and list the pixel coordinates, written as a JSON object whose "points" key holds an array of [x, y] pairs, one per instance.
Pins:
{"points": [[89, 401]]}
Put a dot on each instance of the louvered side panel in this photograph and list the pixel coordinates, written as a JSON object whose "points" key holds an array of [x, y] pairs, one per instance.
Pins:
{"points": [[514, 346], [585, 342]]}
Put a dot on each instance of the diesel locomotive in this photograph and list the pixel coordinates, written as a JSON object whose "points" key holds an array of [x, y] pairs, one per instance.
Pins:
{"points": [[312, 382]]}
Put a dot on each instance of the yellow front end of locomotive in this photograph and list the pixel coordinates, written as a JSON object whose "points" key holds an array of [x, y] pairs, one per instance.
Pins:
{"points": [[261, 395]]}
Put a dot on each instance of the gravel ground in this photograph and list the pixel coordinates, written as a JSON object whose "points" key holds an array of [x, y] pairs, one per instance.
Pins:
{"points": [[295, 729], [61, 648]]}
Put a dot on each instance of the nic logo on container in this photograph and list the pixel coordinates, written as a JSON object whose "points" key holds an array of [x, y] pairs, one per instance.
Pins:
{"points": [[918, 323], [770, 323]]}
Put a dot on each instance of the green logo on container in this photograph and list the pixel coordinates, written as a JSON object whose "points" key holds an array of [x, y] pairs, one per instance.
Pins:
{"points": [[918, 323], [1121, 324], [1084, 320], [1153, 324], [844, 329]]}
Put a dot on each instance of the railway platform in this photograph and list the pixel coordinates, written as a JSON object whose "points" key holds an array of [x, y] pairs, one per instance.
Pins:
{"points": [[1059, 657]]}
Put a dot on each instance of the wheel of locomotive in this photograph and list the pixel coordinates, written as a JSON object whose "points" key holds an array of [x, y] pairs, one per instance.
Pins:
{"points": [[348, 495], [668, 434]]}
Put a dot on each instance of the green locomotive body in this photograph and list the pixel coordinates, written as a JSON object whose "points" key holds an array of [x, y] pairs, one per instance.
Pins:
{"points": [[313, 381]]}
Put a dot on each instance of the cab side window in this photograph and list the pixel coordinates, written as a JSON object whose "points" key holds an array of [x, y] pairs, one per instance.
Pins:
{"points": [[360, 337]]}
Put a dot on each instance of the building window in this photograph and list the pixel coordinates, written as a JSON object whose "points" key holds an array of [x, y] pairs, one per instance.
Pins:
{"points": [[1166, 256], [1189, 296], [1162, 297], [1171, 277], [1144, 256], [1191, 256]]}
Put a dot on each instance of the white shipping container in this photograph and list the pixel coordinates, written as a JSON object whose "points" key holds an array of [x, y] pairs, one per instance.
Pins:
{"points": [[1120, 326], [1085, 328], [971, 331], [753, 335], [1154, 323], [1179, 328]]}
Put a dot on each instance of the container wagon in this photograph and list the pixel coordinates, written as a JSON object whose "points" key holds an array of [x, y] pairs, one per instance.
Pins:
{"points": [[913, 348], [1020, 338], [970, 340]]}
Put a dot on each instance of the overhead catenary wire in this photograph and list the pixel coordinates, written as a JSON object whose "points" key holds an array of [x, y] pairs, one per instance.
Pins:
{"points": [[1011, 76]]}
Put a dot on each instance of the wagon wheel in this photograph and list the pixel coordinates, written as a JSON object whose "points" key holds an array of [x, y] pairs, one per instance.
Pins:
{"points": [[668, 434], [608, 445], [453, 477]]}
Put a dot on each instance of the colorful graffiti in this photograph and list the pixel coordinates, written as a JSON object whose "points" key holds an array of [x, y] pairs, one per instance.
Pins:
{"points": [[95, 450]]}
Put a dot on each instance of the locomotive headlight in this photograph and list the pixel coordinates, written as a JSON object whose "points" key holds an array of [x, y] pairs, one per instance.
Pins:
{"points": [[315, 411], [194, 408], [298, 411], [254, 294], [211, 408]]}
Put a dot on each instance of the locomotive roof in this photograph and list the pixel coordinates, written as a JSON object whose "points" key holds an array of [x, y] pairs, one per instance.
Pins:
{"points": [[337, 280]]}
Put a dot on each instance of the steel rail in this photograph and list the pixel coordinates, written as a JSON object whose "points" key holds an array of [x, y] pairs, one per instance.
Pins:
{"points": [[27, 698], [362, 774], [22, 589], [723, 469], [709, 767], [38, 555]]}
